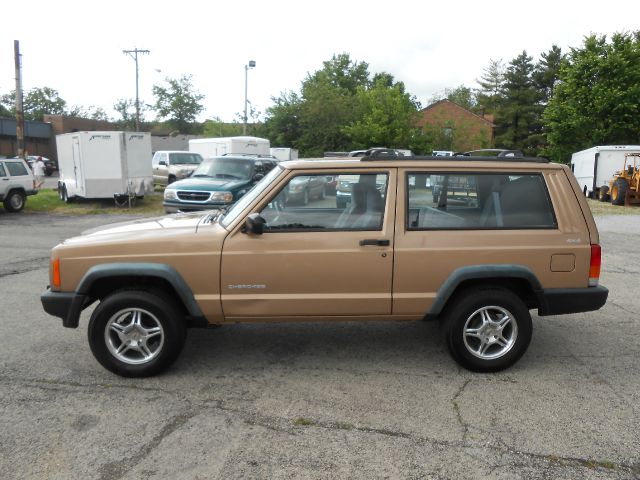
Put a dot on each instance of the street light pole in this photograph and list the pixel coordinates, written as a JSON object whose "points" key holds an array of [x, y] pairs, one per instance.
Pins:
{"points": [[251, 64], [135, 53]]}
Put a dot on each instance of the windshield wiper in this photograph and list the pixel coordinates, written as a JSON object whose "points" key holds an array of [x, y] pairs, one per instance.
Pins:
{"points": [[201, 175], [226, 175]]}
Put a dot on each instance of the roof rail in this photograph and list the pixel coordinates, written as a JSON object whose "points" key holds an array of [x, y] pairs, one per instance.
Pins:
{"points": [[375, 156]]}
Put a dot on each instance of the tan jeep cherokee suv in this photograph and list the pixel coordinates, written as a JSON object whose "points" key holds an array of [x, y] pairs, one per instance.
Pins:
{"points": [[474, 242]]}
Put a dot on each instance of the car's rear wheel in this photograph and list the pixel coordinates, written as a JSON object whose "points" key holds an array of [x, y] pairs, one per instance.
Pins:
{"points": [[136, 333], [15, 201], [487, 329]]}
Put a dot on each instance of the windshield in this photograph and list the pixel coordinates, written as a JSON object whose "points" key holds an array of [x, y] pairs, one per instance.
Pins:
{"points": [[185, 158], [239, 168], [251, 195]]}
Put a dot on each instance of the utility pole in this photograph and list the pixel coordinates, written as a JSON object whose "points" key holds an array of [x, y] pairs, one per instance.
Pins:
{"points": [[134, 54], [251, 64], [19, 108]]}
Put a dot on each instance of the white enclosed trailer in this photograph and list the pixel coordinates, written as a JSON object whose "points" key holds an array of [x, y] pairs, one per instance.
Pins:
{"points": [[595, 166], [282, 154], [216, 147], [104, 164]]}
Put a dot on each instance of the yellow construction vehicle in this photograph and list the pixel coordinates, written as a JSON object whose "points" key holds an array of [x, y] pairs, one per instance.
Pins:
{"points": [[625, 184]]}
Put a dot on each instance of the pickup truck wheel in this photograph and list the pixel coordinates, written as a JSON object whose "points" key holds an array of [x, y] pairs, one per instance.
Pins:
{"points": [[14, 201], [136, 333], [487, 330]]}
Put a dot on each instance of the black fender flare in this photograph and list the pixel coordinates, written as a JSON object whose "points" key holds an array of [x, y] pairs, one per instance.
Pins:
{"points": [[155, 270], [482, 272]]}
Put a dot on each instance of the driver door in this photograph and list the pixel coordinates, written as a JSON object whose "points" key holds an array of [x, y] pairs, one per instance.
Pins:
{"points": [[314, 259]]}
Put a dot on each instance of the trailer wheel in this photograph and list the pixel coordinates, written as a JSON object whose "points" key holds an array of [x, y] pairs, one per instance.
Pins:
{"points": [[619, 191], [603, 193]]}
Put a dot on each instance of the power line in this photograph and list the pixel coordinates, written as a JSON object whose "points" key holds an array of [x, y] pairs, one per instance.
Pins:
{"points": [[134, 54]]}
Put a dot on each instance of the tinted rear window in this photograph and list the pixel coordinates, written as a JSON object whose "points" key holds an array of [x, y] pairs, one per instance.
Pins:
{"points": [[478, 201]]}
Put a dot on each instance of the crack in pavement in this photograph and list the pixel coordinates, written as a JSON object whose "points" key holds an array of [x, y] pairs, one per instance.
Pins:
{"points": [[456, 410], [24, 266], [118, 469]]}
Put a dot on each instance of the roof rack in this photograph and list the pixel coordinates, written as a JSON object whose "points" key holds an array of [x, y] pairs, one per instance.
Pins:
{"points": [[377, 156]]}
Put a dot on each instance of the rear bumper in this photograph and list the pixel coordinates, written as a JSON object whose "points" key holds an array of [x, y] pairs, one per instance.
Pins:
{"points": [[64, 305], [560, 301]]}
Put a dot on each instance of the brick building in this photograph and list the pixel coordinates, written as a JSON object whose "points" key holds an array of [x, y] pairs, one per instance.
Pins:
{"points": [[455, 128]]}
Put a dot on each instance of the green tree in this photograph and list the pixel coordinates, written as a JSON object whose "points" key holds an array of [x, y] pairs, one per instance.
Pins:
{"points": [[546, 72], [489, 95], [126, 107], [461, 95], [385, 115], [597, 98], [282, 126], [36, 103], [519, 116], [179, 103], [215, 127], [93, 112]]}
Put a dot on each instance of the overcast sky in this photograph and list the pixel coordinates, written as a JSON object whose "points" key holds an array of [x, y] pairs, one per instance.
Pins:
{"points": [[76, 47]]}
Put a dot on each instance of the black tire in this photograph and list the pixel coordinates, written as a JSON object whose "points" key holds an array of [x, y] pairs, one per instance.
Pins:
{"points": [[603, 193], [15, 201], [65, 195], [619, 191], [156, 311], [466, 315], [60, 187]]}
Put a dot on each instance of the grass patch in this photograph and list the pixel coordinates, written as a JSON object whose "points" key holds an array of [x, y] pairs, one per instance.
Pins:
{"points": [[605, 208], [48, 201]]}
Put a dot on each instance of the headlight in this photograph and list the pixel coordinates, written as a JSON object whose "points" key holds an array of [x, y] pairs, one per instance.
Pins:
{"points": [[226, 197], [170, 194]]}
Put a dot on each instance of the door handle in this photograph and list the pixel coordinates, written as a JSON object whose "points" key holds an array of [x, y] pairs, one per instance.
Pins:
{"points": [[374, 242]]}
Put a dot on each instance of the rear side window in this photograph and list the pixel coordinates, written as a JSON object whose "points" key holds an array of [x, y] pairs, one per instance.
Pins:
{"points": [[16, 169], [478, 201]]}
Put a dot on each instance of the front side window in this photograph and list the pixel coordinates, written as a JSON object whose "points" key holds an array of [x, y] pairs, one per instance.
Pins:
{"points": [[476, 201], [16, 169], [313, 203], [2, 172]]}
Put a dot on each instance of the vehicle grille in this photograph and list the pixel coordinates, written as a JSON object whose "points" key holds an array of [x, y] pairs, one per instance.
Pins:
{"points": [[188, 196]]}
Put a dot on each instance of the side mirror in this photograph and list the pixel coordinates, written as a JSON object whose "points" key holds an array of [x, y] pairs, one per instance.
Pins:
{"points": [[254, 224], [257, 177], [162, 162]]}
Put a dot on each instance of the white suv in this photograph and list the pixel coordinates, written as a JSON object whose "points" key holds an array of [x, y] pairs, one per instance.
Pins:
{"points": [[16, 183]]}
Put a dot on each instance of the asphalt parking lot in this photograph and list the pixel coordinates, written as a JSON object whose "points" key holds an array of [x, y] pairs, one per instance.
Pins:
{"points": [[351, 400]]}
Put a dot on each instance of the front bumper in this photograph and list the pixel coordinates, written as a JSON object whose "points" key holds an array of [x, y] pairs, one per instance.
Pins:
{"points": [[560, 301], [175, 207], [64, 305]]}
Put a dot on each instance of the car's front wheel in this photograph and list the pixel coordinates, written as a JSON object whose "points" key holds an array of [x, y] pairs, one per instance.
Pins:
{"points": [[136, 333], [487, 329]]}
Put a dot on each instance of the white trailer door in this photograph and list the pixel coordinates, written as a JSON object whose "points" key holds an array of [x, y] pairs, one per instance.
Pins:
{"points": [[78, 169]]}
